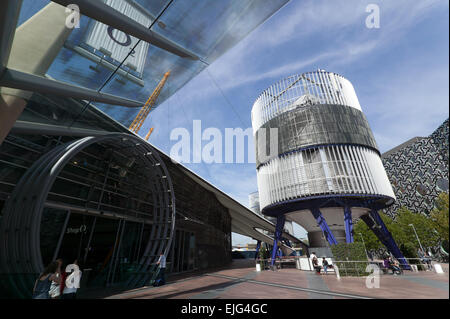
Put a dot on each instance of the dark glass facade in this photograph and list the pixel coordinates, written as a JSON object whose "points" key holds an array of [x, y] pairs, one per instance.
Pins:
{"points": [[98, 212], [200, 213]]}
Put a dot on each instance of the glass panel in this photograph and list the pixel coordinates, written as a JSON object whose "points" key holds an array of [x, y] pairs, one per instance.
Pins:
{"points": [[127, 256], [91, 53], [70, 57], [158, 62], [29, 8], [52, 223], [75, 238], [210, 27], [100, 251], [55, 110], [141, 11]]}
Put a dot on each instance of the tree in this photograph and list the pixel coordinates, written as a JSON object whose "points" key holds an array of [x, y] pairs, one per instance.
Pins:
{"points": [[370, 240], [422, 224], [439, 216], [400, 230]]}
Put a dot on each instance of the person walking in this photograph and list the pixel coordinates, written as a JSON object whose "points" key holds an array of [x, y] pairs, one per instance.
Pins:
{"points": [[72, 282], [42, 285], [162, 264]]}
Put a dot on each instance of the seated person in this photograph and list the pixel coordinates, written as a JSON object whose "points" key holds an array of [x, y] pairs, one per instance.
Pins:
{"points": [[394, 265], [325, 264], [316, 266], [386, 263]]}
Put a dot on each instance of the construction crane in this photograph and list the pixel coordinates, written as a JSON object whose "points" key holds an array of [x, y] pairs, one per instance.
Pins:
{"points": [[148, 134], [145, 110]]}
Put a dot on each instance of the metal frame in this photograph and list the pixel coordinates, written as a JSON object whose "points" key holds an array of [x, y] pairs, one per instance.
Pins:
{"points": [[103, 13], [20, 255], [324, 226], [9, 14], [348, 224], [29, 82], [281, 219], [61, 236], [376, 224], [335, 200]]}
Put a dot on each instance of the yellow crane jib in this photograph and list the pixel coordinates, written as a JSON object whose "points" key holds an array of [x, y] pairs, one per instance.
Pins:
{"points": [[148, 134], [145, 110]]}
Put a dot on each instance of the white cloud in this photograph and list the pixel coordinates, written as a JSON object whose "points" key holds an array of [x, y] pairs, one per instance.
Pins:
{"points": [[304, 21]]}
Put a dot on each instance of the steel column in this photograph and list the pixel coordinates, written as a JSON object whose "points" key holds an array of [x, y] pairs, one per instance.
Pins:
{"points": [[88, 246], [61, 236], [324, 226], [118, 253], [111, 263], [348, 224], [34, 83], [9, 14], [277, 236], [376, 224], [258, 247]]}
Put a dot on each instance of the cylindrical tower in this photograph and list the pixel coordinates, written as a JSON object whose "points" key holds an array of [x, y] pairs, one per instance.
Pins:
{"points": [[316, 158]]}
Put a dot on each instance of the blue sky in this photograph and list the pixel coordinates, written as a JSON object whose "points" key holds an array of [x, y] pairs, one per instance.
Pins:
{"points": [[399, 71]]}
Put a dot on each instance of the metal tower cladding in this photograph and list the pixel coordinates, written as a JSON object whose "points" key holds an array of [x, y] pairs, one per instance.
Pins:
{"points": [[317, 161]]}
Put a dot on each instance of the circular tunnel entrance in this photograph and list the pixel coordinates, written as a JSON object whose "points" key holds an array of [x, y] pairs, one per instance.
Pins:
{"points": [[106, 201]]}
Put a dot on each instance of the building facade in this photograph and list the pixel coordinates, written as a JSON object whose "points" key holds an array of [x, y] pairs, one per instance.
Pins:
{"points": [[418, 171], [75, 183], [317, 161]]}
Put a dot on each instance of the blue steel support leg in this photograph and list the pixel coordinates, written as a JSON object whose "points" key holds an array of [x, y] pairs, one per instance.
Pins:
{"points": [[277, 238], [383, 234], [348, 224], [258, 246], [324, 226]]}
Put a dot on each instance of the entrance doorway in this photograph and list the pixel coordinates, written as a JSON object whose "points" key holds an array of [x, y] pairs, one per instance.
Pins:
{"points": [[107, 249]]}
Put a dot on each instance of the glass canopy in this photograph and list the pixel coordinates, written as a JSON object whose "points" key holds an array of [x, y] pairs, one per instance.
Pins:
{"points": [[102, 58]]}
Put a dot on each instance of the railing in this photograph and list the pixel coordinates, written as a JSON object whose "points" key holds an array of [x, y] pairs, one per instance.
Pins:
{"points": [[353, 268], [349, 268]]}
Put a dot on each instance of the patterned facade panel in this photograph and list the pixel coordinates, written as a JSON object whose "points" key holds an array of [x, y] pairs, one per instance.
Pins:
{"points": [[312, 125], [310, 88], [419, 172], [322, 171]]}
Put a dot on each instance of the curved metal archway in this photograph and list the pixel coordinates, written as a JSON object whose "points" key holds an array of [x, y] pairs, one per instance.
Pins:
{"points": [[20, 254]]}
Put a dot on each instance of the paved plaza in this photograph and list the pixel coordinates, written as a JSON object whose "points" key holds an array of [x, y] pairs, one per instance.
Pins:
{"points": [[242, 281]]}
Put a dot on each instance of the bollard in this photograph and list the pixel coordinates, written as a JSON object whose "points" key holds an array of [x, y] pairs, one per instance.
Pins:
{"points": [[438, 269], [336, 270], [258, 267]]}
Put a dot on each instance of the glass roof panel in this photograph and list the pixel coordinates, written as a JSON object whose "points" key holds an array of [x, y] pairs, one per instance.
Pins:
{"points": [[90, 55], [210, 27], [63, 112], [141, 11]]}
